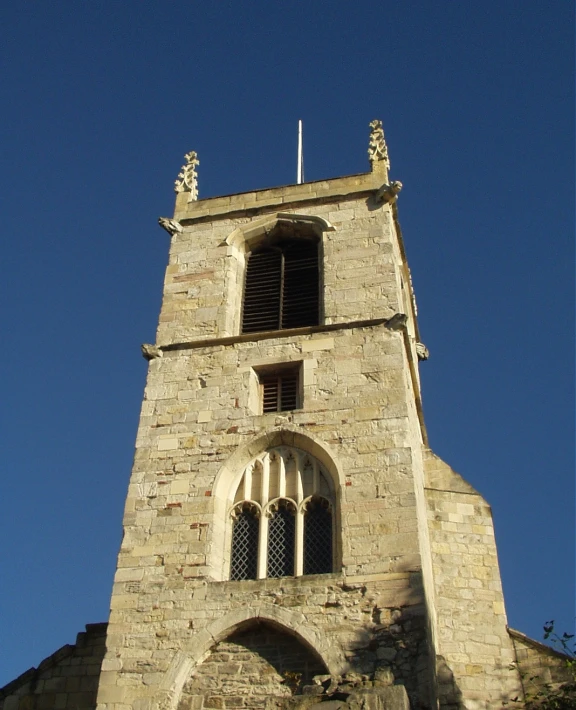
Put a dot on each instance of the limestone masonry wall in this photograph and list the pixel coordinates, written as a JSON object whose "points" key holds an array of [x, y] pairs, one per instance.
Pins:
{"points": [[538, 664], [200, 427], [204, 278], [66, 680]]}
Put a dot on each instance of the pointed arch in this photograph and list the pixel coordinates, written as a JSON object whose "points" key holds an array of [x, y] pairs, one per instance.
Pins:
{"points": [[232, 469], [248, 236], [330, 477], [295, 307], [199, 646]]}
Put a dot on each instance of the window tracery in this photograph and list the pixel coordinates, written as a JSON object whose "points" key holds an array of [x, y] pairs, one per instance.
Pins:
{"points": [[282, 517]]}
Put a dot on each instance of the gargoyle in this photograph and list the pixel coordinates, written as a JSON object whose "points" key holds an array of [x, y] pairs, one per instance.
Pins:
{"points": [[151, 352], [397, 322], [170, 225], [387, 193]]}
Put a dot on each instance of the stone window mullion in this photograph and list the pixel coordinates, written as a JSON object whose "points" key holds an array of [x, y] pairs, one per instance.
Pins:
{"points": [[263, 538], [281, 477], [299, 544], [263, 547], [248, 483]]}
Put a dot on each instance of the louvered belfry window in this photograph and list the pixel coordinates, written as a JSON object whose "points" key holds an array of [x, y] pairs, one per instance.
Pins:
{"points": [[282, 286], [279, 391]]}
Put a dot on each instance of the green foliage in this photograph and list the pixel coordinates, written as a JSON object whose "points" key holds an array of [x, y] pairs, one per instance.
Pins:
{"points": [[552, 696]]}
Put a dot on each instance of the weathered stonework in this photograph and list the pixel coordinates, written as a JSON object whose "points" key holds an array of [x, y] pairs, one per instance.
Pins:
{"points": [[67, 680], [538, 664], [200, 427], [412, 611]]}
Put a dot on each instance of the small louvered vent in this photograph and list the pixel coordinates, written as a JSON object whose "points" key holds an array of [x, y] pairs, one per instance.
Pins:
{"points": [[279, 391], [281, 288]]}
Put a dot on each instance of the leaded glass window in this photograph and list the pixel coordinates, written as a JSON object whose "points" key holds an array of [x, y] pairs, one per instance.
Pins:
{"points": [[318, 537], [282, 513], [281, 532], [244, 555]]}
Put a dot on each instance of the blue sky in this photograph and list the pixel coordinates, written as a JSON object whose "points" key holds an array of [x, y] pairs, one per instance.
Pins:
{"points": [[100, 102]]}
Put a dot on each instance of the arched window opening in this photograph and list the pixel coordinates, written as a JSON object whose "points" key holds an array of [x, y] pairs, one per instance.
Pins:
{"points": [[244, 554], [295, 533], [281, 538], [318, 537], [281, 288]]}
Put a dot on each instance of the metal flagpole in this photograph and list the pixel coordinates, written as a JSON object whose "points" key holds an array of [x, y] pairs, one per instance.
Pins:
{"points": [[300, 171]]}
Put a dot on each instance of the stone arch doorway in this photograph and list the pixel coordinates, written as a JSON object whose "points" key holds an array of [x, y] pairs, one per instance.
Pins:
{"points": [[258, 660]]}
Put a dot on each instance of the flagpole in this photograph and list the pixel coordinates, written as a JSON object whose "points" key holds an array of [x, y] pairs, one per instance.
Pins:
{"points": [[300, 171]]}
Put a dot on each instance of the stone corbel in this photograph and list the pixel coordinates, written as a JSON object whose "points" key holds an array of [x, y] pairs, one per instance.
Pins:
{"points": [[151, 352], [422, 351], [397, 322], [388, 193], [172, 226]]}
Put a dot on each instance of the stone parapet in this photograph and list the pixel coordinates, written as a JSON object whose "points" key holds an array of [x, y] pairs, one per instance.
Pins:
{"points": [[318, 191]]}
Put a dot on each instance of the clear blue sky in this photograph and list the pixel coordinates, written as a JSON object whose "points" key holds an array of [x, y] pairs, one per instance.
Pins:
{"points": [[101, 100]]}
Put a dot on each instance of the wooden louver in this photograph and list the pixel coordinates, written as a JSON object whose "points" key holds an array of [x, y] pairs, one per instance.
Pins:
{"points": [[281, 288], [280, 391]]}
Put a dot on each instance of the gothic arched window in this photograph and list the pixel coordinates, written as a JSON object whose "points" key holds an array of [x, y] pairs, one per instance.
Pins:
{"points": [[281, 288], [282, 517]]}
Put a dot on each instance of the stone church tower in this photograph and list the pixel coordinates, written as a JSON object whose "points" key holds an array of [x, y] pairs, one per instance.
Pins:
{"points": [[289, 537], [285, 518]]}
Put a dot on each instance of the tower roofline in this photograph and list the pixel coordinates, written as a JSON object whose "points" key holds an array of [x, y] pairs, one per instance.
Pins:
{"points": [[224, 206], [287, 185]]}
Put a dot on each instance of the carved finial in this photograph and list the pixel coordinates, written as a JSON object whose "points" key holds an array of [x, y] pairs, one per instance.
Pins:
{"points": [[151, 352], [188, 177], [377, 148], [172, 226]]}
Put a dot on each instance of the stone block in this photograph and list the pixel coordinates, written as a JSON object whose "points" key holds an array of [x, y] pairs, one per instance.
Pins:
{"points": [[317, 344]]}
